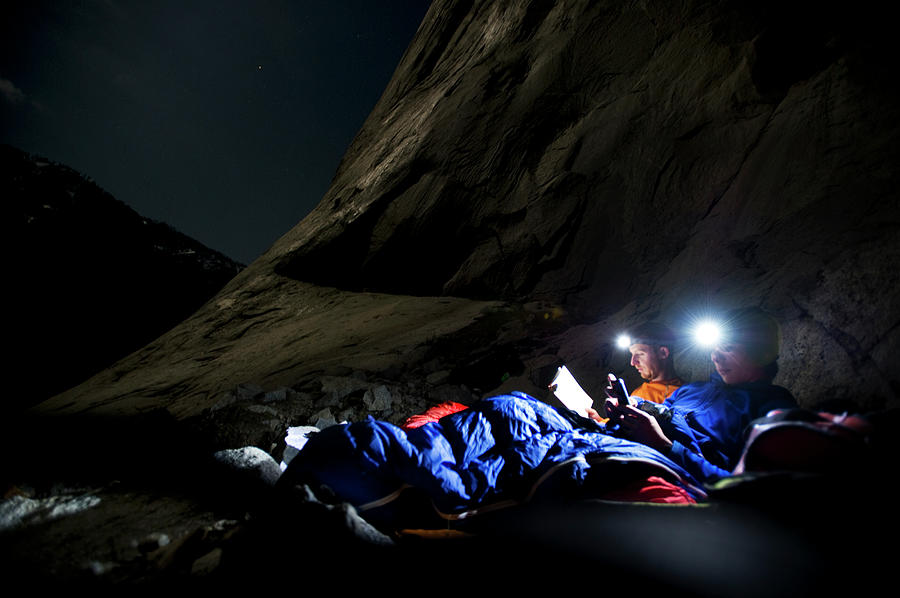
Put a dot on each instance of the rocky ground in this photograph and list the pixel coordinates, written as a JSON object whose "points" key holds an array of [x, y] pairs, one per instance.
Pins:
{"points": [[150, 499], [153, 501], [197, 528]]}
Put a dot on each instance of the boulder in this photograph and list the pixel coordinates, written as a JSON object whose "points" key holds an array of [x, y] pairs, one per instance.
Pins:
{"points": [[252, 462]]}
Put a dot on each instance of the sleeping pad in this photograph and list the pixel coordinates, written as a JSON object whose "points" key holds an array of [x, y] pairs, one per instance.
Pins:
{"points": [[500, 451]]}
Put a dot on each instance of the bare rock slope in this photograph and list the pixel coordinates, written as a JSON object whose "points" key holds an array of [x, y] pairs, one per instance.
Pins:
{"points": [[538, 174]]}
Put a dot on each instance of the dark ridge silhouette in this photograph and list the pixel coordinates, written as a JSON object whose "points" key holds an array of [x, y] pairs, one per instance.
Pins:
{"points": [[91, 280]]}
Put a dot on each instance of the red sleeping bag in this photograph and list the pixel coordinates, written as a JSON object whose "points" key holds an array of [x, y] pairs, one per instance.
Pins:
{"points": [[432, 414]]}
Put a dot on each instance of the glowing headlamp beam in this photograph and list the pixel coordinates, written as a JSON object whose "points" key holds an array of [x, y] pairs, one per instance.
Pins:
{"points": [[624, 341], [707, 333]]}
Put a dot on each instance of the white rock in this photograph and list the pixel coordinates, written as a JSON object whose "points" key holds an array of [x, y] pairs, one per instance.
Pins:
{"points": [[251, 459], [279, 394], [378, 399], [323, 419], [340, 387], [18, 510], [436, 378], [248, 391], [295, 439]]}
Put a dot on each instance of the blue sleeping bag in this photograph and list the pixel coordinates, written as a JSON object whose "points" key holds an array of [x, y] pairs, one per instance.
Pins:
{"points": [[500, 450]]}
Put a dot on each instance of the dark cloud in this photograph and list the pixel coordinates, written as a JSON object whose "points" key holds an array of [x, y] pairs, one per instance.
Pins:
{"points": [[10, 92]]}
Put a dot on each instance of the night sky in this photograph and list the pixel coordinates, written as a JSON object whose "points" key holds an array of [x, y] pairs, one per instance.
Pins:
{"points": [[225, 119]]}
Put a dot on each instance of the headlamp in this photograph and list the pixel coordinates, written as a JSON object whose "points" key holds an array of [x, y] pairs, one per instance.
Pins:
{"points": [[707, 333], [624, 341]]}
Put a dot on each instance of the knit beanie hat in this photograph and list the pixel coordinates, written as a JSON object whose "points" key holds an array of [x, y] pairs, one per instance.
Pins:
{"points": [[652, 333]]}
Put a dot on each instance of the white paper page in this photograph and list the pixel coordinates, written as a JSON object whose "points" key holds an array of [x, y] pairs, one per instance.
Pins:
{"points": [[569, 392], [295, 440]]}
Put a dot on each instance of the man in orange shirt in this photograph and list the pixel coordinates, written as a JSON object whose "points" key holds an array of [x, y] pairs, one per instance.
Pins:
{"points": [[651, 355]]}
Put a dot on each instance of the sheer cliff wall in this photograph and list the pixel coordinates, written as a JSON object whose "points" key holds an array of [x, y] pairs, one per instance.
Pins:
{"points": [[682, 156], [615, 160]]}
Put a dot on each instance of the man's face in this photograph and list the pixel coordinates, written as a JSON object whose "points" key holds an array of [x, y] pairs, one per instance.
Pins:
{"points": [[734, 365], [647, 360]]}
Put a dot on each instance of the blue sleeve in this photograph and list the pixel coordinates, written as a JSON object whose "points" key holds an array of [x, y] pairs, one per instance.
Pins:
{"points": [[695, 464]]}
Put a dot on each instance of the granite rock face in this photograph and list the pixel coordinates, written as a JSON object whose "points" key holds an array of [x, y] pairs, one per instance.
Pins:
{"points": [[629, 159], [538, 175]]}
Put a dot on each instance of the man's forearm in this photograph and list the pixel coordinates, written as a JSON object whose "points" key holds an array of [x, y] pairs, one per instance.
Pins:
{"points": [[694, 463]]}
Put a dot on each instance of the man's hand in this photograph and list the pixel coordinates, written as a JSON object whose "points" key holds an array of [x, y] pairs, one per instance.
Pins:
{"points": [[612, 408], [609, 391], [638, 426], [594, 415]]}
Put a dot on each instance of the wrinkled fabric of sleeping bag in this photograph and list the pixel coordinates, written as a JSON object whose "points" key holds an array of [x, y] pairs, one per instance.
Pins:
{"points": [[500, 449]]}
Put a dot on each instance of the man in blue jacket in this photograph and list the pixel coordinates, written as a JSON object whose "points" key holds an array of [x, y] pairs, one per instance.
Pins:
{"points": [[701, 426]]}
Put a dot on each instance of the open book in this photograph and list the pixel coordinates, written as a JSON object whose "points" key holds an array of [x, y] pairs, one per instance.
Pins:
{"points": [[570, 393]]}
